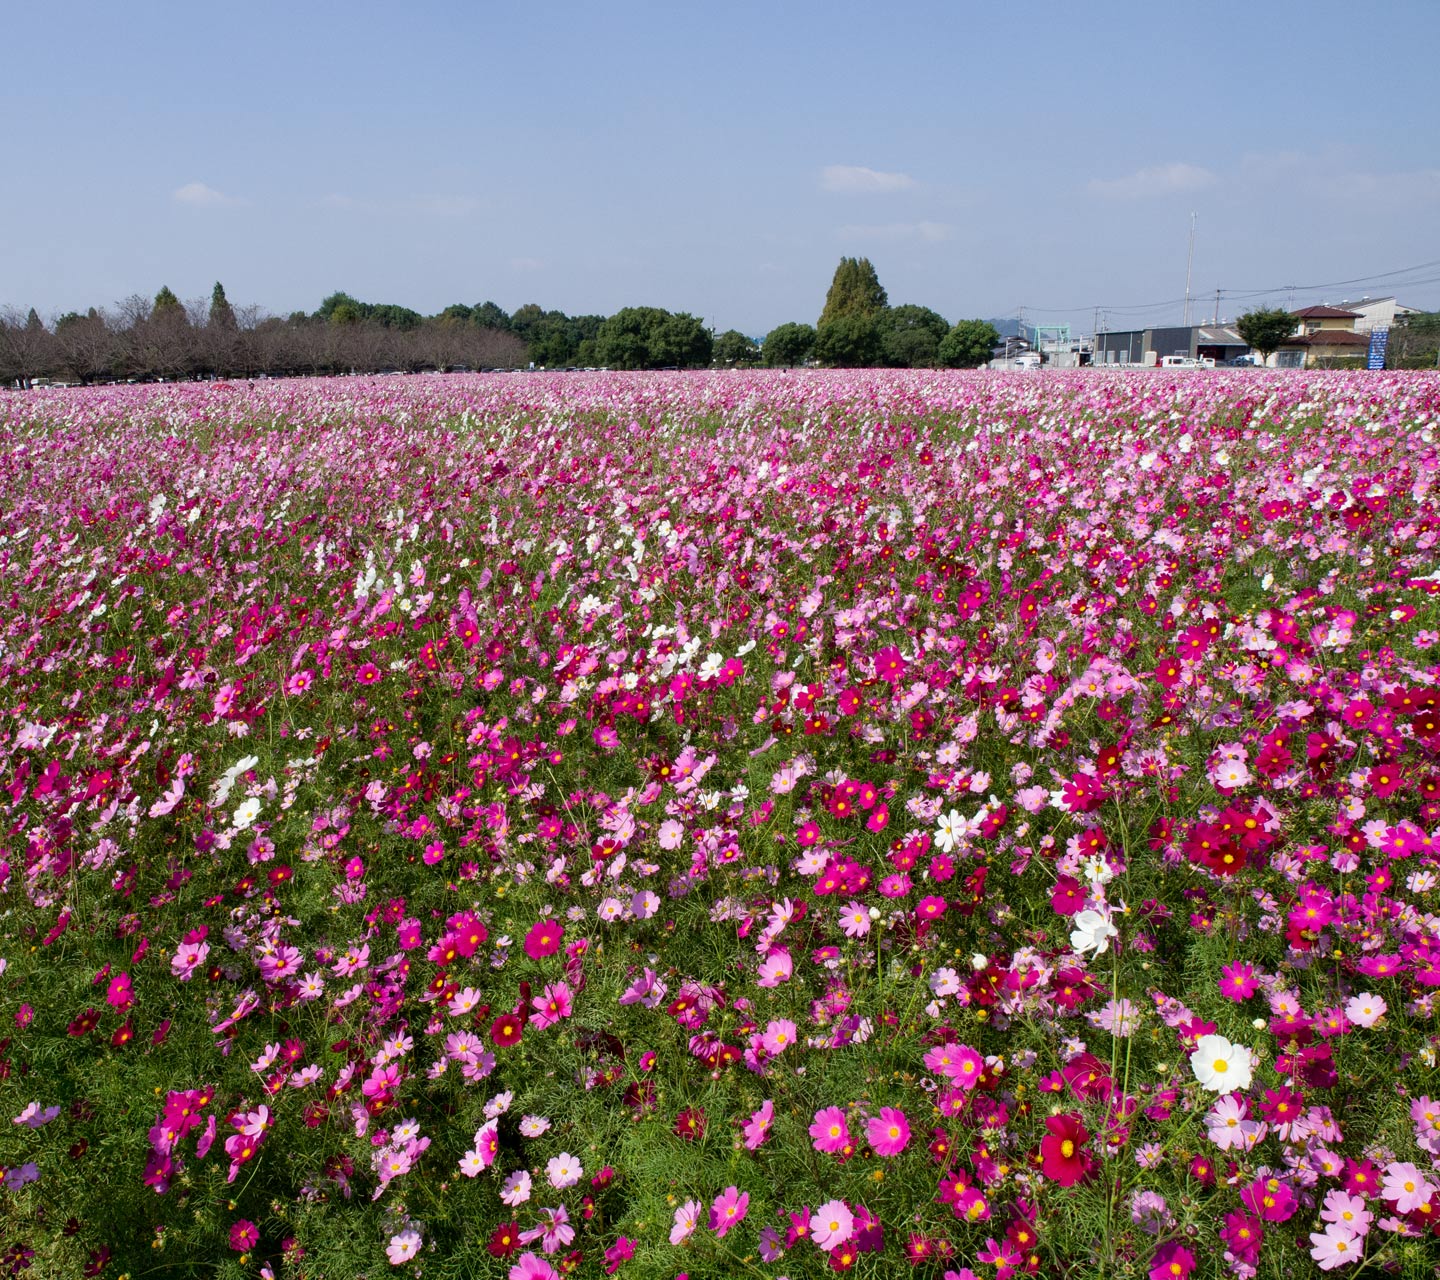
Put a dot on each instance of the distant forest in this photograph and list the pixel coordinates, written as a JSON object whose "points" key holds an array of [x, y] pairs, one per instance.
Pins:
{"points": [[141, 339]]}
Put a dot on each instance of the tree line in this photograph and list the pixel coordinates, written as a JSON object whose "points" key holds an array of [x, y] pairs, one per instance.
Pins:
{"points": [[144, 339]]}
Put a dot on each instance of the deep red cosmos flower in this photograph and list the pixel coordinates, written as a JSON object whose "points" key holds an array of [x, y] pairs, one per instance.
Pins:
{"points": [[507, 1029]]}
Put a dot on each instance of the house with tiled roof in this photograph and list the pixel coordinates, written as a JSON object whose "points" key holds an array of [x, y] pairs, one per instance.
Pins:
{"points": [[1322, 334]]}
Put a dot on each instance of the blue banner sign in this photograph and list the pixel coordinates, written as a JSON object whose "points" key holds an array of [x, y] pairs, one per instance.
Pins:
{"points": [[1379, 338]]}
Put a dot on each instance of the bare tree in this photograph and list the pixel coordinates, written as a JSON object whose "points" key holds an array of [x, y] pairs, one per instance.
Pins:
{"points": [[27, 348], [87, 346]]}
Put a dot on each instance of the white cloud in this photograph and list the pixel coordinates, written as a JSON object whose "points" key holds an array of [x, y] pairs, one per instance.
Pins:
{"points": [[854, 177], [1157, 180], [930, 232], [200, 196]]}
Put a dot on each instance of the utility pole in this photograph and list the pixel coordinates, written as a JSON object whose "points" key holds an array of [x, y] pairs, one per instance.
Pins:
{"points": [[1215, 319], [1189, 261]]}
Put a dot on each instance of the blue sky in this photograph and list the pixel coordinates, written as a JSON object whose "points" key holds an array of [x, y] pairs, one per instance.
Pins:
{"points": [[719, 159]]}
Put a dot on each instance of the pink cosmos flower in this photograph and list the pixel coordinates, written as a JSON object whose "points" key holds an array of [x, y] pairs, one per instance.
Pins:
{"points": [[758, 1127], [244, 1235], [779, 1036], [531, 1266], [671, 834], [832, 1224], [855, 920], [888, 1132], [368, 674], [956, 1062], [775, 969], [830, 1131], [728, 1210]]}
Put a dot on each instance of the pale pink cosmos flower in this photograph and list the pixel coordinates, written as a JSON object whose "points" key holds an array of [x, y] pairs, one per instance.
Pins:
{"points": [[564, 1171], [687, 1218], [402, 1247], [1405, 1185], [1365, 1010], [832, 1224], [1336, 1247], [671, 834], [1347, 1211], [888, 1132]]}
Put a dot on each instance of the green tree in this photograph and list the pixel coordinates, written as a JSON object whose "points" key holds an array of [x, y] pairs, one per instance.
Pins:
{"points": [[652, 338], [968, 344], [789, 344], [341, 308], [168, 307], [910, 336], [222, 314], [1414, 342], [681, 340], [855, 290], [850, 342], [456, 313], [1265, 329], [733, 347], [489, 316], [390, 315]]}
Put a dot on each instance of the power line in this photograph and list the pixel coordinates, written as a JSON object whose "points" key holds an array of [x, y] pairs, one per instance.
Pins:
{"points": [[1241, 294]]}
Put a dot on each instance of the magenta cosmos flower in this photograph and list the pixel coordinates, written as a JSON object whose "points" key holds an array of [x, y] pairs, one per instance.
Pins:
{"points": [[888, 1132], [244, 1236], [544, 939], [830, 1132], [728, 1210]]}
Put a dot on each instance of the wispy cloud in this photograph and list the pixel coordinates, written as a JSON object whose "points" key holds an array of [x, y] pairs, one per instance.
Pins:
{"points": [[856, 178], [199, 196], [930, 232], [443, 206], [1156, 180]]}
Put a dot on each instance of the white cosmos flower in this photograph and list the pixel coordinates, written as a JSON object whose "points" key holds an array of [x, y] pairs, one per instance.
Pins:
{"points": [[1092, 932], [947, 833], [247, 813], [1220, 1065]]}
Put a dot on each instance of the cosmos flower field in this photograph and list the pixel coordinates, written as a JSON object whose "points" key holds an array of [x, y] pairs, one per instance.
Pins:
{"points": [[721, 825]]}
